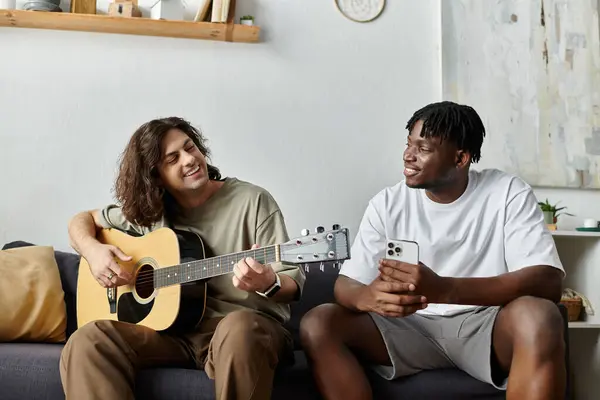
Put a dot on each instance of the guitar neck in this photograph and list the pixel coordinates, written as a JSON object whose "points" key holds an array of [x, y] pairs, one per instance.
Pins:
{"points": [[210, 267]]}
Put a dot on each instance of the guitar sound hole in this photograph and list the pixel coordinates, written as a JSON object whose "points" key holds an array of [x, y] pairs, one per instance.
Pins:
{"points": [[144, 282]]}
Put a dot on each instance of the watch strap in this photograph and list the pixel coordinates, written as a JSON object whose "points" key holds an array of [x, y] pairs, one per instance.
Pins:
{"points": [[274, 288]]}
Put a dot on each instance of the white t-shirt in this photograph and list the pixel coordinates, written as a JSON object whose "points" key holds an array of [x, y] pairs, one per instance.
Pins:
{"points": [[495, 227]]}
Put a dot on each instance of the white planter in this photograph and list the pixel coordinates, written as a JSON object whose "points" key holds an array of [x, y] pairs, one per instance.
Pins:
{"points": [[548, 217], [247, 22]]}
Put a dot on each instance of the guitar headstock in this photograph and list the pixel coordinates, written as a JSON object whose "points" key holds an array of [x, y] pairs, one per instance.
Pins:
{"points": [[321, 246]]}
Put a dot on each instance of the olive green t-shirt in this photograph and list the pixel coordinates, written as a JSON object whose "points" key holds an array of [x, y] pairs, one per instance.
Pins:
{"points": [[235, 217]]}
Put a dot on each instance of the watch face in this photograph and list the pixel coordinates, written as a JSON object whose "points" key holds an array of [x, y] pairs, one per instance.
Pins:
{"points": [[273, 289]]}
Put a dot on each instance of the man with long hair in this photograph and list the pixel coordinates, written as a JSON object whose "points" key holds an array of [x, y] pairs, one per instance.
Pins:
{"points": [[481, 297], [165, 181]]}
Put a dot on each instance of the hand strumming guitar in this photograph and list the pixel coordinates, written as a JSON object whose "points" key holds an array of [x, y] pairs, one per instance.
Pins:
{"points": [[108, 273]]}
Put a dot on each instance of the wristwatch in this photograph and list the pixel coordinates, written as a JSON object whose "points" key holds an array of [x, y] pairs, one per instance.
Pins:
{"points": [[274, 288]]}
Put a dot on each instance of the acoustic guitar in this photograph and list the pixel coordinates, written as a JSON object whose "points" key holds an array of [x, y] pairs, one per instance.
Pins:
{"points": [[170, 273]]}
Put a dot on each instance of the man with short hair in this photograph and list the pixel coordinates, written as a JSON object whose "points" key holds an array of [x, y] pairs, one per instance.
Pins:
{"points": [[165, 181], [482, 296]]}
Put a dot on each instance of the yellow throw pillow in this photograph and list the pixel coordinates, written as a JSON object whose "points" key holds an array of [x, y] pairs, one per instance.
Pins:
{"points": [[32, 306]]}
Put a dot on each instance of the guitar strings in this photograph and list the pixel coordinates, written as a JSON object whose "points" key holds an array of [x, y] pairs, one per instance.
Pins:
{"points": [[270, 251], [150, 281], [210, 264], [158, 275], [148, 278]]}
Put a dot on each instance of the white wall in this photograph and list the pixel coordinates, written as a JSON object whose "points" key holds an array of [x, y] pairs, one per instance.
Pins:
{"points": [[315, 113]]}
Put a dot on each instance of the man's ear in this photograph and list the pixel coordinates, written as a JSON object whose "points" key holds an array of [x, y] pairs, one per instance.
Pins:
{"points": [[463, 158]]}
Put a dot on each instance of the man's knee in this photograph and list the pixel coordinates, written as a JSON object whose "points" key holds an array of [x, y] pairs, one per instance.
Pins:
{"points": [[319, 323], [82, 343], [90, 332], [536, 323], [244, 333]]}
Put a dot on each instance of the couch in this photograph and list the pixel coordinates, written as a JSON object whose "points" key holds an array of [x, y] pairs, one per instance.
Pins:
{"points": [[30, 370]]}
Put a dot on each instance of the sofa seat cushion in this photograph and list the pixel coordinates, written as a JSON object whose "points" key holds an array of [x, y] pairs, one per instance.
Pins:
{"points": [[174, 383], [447, 384], [31, 371]]}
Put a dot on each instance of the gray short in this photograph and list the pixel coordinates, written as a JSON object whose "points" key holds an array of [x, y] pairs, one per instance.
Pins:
{"points": [[420, 342]]}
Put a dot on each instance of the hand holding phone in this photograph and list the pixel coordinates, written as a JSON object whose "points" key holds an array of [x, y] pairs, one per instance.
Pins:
{"points": [[403, 250], [401, 264], [392, 297]]}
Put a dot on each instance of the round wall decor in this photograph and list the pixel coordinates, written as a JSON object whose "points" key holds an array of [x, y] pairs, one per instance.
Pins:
{"points": [[361, 10]]}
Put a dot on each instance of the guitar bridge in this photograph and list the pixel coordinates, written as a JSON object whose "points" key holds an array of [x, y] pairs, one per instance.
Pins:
{"points": [[111, 295]]}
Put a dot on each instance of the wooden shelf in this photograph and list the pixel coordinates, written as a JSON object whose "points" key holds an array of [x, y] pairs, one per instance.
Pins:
{"points": [[129, 26], [576, 233]]}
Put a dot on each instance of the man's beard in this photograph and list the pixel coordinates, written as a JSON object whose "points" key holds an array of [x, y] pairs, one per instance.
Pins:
{"points": [[436, 184]]}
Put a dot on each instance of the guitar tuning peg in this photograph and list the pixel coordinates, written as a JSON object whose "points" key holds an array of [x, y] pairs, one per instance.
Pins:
{"points": [[322, 267], [305, 232], [336, 227], [319, 229], [306, 268]]}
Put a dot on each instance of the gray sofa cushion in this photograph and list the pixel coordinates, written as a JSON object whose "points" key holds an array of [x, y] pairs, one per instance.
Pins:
{"points": [[30, 371]]}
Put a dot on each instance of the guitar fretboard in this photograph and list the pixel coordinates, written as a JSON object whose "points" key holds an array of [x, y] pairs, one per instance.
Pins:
{"points": [[210, 267]]}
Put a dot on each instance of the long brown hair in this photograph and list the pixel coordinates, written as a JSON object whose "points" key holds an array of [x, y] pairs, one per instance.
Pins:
{"points": [[143, 201]]}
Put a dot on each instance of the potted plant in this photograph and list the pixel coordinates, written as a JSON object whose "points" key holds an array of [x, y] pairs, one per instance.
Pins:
{"points": [[247, 20], [551, 212]]}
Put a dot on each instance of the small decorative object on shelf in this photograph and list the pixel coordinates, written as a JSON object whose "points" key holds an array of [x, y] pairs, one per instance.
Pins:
{"points": [[575, 303], [167, 9], [43, 5], [204, 11], [589, 225], [551, 213], [83, 6], [247, 20], [121, 8]]}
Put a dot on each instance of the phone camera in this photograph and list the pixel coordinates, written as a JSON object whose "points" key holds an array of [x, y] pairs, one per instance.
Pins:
{"points": [[391, 245], [398, 250], [390, 252]]}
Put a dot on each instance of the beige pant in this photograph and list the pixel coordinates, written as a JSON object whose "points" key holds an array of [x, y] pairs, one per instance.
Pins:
{"points": [[240, 352]]}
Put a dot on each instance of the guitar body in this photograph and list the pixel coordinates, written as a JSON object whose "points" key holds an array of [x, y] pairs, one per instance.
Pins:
{"points": [[173, 308]]}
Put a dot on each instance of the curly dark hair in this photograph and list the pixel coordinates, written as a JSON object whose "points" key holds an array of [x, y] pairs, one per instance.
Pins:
{"points": [[450, 121], [142, 200]]}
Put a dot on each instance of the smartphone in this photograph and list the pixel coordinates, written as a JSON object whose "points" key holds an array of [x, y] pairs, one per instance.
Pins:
{"points": [[403, 250]]}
